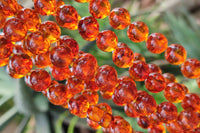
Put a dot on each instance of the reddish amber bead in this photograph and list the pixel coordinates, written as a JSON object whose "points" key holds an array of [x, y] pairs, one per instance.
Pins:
{"points": [[61, 56], [191, 102], [106, 120], [9, 7], [45, 7], [107, 94], [173, 127], [99, 8], [169, 78], [155, 82], [196, 130], [13, 74], [156, 43], [143, 122], [50, 30], [106, 130], [188, 120], [107, 40], [139, 71], [175, 54], [65, 105], [20, 64], [30, 18], [174, 92], [59, 3], [191, 68], [79, 105], [123, 57], [71, 43], [166, 112], [119, 18], [106, 78], [2, 19], [3, 61], [153, 118], [57, 94], [185, 88], [91, 85], [19, 48], [67, 17], [85, 67], [138, 56], [38, 80], [130, 110], [105, 107], [82, 1], [138, 31], [42, 60], [156, 129], [44, 92], [121, 44], [92, 96], [154, 68], [60, 73], [88, 28], [6, 47], [126, 79], [93, 124], [198, 81], [15, 30]]}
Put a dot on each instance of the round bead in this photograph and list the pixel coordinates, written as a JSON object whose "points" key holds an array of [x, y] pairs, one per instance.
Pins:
{"points": [[59, 3], [156, 43], [191, 68], [13, 74], [130, 110], [67, 17], [121, 44], [119, 18], [174, 92], [156, 129], [107, 40], [92, 96], [91, 85], [175, 54], [107, 94], [93, 124], [143, 122], [42, 60], [185, 88], [173, 127], [99, 8], [139, 71], [60, 73], [138, 31], [191, 102], [88, 28], [2, 19], [155, 82], [154, 68], [15, 30], [44, 92], [9, 7], [38, 80], [153, 118], [105, 107], [45, 7], [3, 61], [198, 81], [169, 78], [138, 56], [6, 47]]}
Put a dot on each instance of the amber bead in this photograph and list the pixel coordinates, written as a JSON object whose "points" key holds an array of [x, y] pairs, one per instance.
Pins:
{"points": [[139, 71], [198, 81], [191, 102], [3, 61], [106, 120], [145, 104], [13, 74], [19, 48], [59, 3], [156, 129], [119, 18], [107, 40], [38, 80], [154, 68], [106, 78], [130, 110], [50, 30], [45, 7], [71, 43], [174, 92], [138, 56], [2, 19], [91, 85], [107, 94], [67, 17], [42, 60], [6, 47], [99, 8], [169, 78], [155, 82], [61, 56], [138, 31], [15, 30], [175, 54], [191, 68], [196, 130], [93, 124], [153, 118], [121, 44], [88, 28], [126, 79], [60, 73], [105, 107], [30, 18], [57, 94], [123, 57], [185, 88], [9, 7], [65, 105], [92, 96], [188, 120], [44, 92], [173, 127], [82, 1], [156, 43], [143, 122]]}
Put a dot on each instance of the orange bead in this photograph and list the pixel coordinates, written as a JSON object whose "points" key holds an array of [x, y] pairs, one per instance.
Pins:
{"points": [[19, 48], [169, 78], [198, 81], [67, 17], [88, 28], [123, 57], [30, 18], [153, 118], [106, 120], [196, 130], [107, 40], [6, 47], [156, 43], [107, 94], [156, 129], [130, 110], [59, 3], [138, 56], [20, 64], [106, 78], [191, 68], [50, 30], [185, 88], [191, 102], [57, 94], [166, 112], [42, 60], [155, 82], [126, 79], [174, 92], [13, 74], [38, 80], [45, 7], [138, 31], [154, 68], [173, 127], [82, 1], [2, 19], [79, 105], [99, 8], [119, 18], [93, 124], [143, 122], [175, 54], [60, 73], [3, 61], [105, 107], [65, 105], [9, 7], [92, 96], [121, 44], [44, 92], [15, 30], [91, 85], [139, 71], [61, 56]]}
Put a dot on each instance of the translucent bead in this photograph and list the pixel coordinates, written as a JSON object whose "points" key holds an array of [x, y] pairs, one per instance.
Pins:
{"points": [[185, 88], [169, 78], [174, 127], [3, 61], [107, 94], [191, 102], [2, 19], [13, 74], [42, 60], [44, 92], [153, 118], [91, 96], [130, 110], [91, 85], [45, 7], [119, 18], [6, 47], [143, 122], [93, 124], [156, 129], [138, 31], [9, 7], [121, 44], [60, 73], [154, 68], [156, 43], [138, 56], [59, 3], [105, 107]]}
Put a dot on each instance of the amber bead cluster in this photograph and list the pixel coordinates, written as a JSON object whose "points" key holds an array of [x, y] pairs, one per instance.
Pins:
{"points": [[27, 42]]}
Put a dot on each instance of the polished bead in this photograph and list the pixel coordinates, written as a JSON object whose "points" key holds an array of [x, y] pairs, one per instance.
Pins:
{"points": [[143, 122], [169, 78], [191, 102], [92, 96], [60, 73], [138, 56], [154, 68], [9, 7], [42, 60], [6, 47], [45, 7], [173, 127], [130, 110]]}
